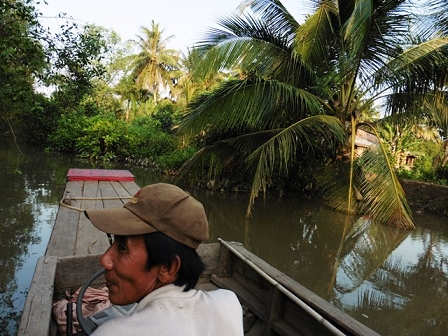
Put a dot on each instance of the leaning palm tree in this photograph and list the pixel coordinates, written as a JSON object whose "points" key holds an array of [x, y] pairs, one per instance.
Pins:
{"points": [[154, 67], [312, 86]]}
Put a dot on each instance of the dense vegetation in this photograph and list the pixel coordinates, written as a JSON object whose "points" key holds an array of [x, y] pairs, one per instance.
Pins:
{"points": [[79, 91], [263, 103]]}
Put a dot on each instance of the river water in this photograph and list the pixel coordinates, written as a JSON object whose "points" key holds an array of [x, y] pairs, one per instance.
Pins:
{"points": [[393, 281]]}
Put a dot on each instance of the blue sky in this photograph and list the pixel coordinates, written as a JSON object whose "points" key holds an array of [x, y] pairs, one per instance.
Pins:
{"points": [[186, 20]]}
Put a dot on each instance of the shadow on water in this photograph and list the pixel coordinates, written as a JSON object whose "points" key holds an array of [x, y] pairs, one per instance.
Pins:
{"points": [[393, 281]]}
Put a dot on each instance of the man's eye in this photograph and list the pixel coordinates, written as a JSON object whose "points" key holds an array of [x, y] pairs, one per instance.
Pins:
{"points": [[122, 248]]}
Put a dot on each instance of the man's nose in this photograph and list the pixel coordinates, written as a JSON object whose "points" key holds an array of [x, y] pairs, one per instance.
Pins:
{"points": [[106, 260]]}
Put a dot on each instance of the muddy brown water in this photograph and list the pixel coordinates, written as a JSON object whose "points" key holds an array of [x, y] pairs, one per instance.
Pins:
{"points": [[391, 280]]}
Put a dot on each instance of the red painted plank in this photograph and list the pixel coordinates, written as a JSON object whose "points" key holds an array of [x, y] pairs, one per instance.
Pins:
{"points": [[75, 174]]}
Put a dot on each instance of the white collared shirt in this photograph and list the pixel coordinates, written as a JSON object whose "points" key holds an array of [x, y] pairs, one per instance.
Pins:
{"points": [[169, 311]]}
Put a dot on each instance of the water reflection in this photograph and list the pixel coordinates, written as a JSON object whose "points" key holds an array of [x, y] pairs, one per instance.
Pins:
{"points": [[393, 281], [365, 248], [413, 283], [31, 185]]}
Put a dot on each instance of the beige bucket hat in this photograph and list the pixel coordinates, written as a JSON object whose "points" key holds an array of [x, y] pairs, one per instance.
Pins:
{"points": [[157, 207]]}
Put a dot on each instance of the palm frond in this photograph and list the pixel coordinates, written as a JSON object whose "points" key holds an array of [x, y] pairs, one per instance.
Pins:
{"points": [[337, 191], [374, 188], [210, 162], [270, 26], [278, 152], [262, 153], [356, 28], [421, 58], [407, 106], [383, 195], [371, 36], [432, 18], [275, 13], [438, 110], [224, 157], [250, 103], [315, 36], [251, 45], [416, 77]]}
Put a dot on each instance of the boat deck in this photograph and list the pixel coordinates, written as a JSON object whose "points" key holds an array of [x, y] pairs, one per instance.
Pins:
{"points": [[73, 234]]}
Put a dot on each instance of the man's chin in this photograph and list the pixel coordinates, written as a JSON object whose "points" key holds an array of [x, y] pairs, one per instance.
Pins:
{"points": [[115, 299], [118, 302]]}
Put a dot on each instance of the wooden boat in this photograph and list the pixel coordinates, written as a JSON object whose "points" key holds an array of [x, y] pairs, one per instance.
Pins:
{"points": [[273, 303]]}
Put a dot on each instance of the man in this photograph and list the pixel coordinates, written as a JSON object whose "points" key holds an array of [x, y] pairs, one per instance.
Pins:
{"points": [[153, 261]]}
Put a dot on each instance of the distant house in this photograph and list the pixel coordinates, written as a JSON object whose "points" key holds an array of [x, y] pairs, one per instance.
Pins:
{"points": [[406, 160], [364, 140]]}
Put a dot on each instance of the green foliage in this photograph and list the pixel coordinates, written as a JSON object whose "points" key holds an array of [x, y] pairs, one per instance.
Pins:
{"points": [[100, 100], [68, 130], [35, 122], [423, 168], [106, 138], [146, 140], [101, 138], [77, 61], [442, 175], [72, 61], [173, 160], [78, 54], [166, 114], [21, 60], [83, 115], [49, 124]]}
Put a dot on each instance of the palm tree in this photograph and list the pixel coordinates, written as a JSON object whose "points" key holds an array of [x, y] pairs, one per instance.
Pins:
{"points": [[130, 96], [311, 85], [155, 67], [190, 84]]}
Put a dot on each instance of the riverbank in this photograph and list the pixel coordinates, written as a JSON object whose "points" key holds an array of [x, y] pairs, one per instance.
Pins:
{"points": [[426, 197]]}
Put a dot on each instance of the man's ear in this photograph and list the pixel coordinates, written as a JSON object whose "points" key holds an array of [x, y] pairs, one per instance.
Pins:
{"points": [[168, 273]]}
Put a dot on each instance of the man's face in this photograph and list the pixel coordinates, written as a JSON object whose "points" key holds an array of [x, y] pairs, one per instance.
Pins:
{"points": [[126, 275]]}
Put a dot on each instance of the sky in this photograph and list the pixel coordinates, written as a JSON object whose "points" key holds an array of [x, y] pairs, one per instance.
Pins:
{"points": [[185, 20]]}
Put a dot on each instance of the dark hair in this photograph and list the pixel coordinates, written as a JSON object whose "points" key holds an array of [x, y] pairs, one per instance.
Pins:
{"points": [[162, 250]]}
